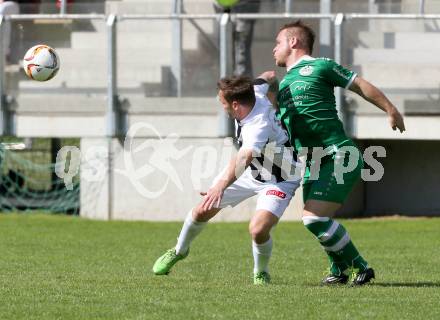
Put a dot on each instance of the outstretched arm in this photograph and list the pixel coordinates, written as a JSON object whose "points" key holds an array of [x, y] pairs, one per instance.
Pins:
{"points": [[235, 169], [271, 79], [373, 95]]}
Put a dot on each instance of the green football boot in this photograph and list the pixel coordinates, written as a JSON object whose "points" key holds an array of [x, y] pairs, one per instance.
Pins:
{"points": [[261, 278], [164, 264]]}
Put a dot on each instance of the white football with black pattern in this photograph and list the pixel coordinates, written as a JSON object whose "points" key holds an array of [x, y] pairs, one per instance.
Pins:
{"points": [[41, 63]]}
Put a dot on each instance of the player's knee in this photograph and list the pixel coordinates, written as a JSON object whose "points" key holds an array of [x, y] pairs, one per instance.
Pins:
{"points": [[259, 232], [202, 215], [198, 213]]}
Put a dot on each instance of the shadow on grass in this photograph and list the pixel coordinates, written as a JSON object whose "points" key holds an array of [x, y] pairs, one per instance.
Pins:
{"points": [[406, 284], [378, 284]]}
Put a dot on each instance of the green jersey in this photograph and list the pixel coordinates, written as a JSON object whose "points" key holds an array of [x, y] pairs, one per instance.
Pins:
{"points": [[307, 104]]}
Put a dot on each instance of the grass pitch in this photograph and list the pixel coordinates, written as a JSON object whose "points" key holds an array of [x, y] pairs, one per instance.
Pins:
{"points": [[58, 267]]}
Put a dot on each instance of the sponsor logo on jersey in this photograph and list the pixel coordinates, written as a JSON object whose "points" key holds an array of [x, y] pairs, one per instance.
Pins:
{"points": [[300, 85], [306, 71], [276, 193]]}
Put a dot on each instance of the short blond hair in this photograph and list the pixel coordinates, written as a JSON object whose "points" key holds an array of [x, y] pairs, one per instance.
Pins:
{"points": [[303, 32]]}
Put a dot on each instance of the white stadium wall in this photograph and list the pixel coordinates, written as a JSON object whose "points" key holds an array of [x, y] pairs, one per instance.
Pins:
{"points": [[409, 185], [133, 197]]}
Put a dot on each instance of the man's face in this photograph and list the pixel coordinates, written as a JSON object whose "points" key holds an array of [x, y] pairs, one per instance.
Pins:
{"points": [[282, 49], [226, 106]]}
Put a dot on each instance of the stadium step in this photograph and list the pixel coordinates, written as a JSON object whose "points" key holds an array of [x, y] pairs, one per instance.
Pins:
{"points": [[134, 104], [414, 57], [139, 7], [410, 6], [385, 75], [357, 105], [382, 25], [140, 39], [186, 117], [129, 56], [77, 116], [65, 115], [400, 40], [60, 104], [169, 105], [157, 6], [410, 103], [423, 107]]}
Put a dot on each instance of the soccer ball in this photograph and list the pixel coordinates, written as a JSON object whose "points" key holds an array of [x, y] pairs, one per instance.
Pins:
{"points": [[41, 63]]}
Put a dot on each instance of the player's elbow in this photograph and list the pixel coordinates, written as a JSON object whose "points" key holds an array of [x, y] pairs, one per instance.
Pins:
{"points": [[364, 88]]}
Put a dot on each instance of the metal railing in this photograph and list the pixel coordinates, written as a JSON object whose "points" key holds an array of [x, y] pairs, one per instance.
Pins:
{"points": [[287, 5], [63, 7]]}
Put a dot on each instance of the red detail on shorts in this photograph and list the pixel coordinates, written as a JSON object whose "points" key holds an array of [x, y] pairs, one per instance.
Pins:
{"points": [[277, 193]]}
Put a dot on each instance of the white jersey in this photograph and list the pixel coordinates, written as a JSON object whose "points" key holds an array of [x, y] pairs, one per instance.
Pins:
{"points": [[262, 178], [260, 128]]}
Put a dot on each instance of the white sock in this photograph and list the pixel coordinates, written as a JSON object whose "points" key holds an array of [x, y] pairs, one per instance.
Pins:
{"points": [[190, 230], [262, 253]]}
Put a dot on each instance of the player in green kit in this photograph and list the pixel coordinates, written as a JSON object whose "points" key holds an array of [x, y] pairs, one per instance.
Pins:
{"points": [[307, 108]]}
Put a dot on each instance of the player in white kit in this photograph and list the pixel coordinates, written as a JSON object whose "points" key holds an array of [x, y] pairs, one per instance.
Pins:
{"points": [[247, 174]]}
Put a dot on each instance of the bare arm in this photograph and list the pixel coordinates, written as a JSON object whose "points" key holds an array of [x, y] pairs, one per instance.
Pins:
{"points": [[268, 76], [373, 95], [234, 170], [271, 79]]}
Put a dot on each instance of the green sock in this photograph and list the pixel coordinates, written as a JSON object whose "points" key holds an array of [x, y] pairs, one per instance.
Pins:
{"points": [[336, 241], [337, 265]]}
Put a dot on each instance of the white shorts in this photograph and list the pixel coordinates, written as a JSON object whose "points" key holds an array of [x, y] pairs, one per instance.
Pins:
{"points": [[272, 196]]}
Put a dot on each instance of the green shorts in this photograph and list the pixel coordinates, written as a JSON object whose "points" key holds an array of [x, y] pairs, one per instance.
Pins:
{"points": [[332, 185]]}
